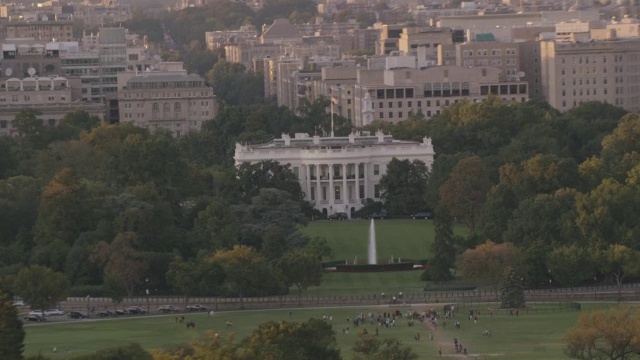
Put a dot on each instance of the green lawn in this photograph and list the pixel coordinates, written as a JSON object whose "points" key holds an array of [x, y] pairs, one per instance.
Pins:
{"points": [[523, 337], [394, 238], [397, 238]]}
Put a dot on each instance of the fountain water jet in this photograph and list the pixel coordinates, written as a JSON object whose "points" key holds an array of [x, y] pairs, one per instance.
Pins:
{"points": [[372, 244]]}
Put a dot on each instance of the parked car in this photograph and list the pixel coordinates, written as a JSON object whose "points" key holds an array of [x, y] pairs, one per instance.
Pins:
{"points": [[121, 312], [338, 216], [76, 315], [53, 312], [427, 215], [377, 215], [168, 309], [196, 308], [135, 310], [35, 317], [18, 302], [105, 313], [37, 313]]}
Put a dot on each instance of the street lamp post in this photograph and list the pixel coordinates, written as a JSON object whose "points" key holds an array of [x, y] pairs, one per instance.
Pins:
{"points": [[88, 303], [147, 290]]}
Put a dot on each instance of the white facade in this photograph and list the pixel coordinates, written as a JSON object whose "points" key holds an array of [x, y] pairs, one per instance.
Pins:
{"points": [[337, 173]]}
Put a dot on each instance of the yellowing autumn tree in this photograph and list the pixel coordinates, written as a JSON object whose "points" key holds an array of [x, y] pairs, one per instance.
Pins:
{"points": [[612, 334], [486, 262]]}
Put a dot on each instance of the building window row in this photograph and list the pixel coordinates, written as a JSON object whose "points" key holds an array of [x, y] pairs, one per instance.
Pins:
{"points": [[503, 89], [400, 93]]}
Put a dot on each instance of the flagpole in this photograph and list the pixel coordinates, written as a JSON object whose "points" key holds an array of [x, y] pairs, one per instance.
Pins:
{"points": [[332, 116]]}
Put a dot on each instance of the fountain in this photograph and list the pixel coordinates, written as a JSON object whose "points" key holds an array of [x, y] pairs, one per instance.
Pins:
{"points": [[372, 261], [372, 244]]}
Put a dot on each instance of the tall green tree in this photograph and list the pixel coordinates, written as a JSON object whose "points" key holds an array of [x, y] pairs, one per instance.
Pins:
{"points": [[443, 248], [246, 272], [464, 192], [267, 174], [41, 287], [404, 186], [511, 293], [621, 262], [11, 332], [122, 261], [300, 269], [571, 265]]}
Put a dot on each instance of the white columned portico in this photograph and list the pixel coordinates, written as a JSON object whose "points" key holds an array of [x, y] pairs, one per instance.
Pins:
{"points": [[332, 195], [345, 192], [318, 187], [308, 174], [366, 180], [357, 182]]}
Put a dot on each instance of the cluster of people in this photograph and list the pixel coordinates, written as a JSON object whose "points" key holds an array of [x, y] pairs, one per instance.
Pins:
{"points": [[459, 348]]}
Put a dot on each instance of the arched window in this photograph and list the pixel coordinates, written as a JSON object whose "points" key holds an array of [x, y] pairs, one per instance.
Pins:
{"points": [[156, 107], [177, 107]]}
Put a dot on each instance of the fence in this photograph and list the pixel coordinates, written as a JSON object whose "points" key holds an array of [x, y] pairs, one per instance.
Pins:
{"points": [[629, 292]]}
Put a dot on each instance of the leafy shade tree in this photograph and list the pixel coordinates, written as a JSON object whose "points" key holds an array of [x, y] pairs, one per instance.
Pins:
{"points": [[40, 286], [191, 278], [369, 347], [75, 122], [121, 262], [464, 192], [246, 272], [486, 262], [571, 265], [621, 262], [511, 293], [608, 214], [11, 332], [314, 339], [63, 213], [443, 249], [32, 129], [404, 186], [319, 248], [234, 85], [300, 269], [316, 119], [267, 174], [610, 334]]}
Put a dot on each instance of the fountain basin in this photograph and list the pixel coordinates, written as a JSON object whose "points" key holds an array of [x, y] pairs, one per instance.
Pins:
{"points": [[403, 266]]}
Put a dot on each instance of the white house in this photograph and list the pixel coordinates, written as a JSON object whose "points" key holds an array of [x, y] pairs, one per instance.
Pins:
{"points": [[337, 173]]}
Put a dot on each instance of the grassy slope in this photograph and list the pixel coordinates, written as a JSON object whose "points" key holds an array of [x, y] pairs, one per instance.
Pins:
{"points": [[349, 241], [523, 337]]}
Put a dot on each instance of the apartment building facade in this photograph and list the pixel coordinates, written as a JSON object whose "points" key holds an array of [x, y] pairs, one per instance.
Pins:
{"points": [[51, 96], [170, 100]]}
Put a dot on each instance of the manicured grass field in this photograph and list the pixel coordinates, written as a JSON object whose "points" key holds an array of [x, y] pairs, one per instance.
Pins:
{"points": [[526, 337], [395, 238]]}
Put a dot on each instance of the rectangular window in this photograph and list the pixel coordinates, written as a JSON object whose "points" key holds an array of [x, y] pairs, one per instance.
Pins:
{"points": [[376, 169], [337, 192], [376, 191], [324, 193], [362, 192], [313, 193]]}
